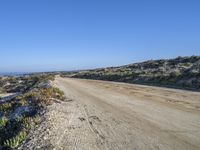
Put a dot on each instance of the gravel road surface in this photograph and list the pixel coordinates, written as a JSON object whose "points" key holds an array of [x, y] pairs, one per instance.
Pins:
{"points": [[118, 116]]}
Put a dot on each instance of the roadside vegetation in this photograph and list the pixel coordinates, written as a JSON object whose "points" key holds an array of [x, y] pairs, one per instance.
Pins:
{"points": [[181, 72], [20, 114]]}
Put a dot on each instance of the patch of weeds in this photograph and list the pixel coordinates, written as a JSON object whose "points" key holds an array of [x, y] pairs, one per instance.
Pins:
{"points": [[7, 106], [15, 141], [23, 102], [43, 97], [13, 132], [3, 122], [58, 93]]}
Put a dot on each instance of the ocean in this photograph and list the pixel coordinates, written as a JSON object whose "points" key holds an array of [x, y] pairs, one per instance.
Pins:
{"points": [[15, 74]]}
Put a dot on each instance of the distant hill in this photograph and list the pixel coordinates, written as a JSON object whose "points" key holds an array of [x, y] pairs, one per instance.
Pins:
{"points": [[181, 72]]}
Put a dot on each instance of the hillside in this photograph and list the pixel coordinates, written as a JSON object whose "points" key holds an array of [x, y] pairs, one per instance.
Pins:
{"points": [[22, 101], [181, 72]]}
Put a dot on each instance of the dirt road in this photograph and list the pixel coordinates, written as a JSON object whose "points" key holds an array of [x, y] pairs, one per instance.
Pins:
{"points": [[106, 115]]}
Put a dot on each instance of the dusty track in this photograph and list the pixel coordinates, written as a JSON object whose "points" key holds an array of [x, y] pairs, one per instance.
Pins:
{"points": [[106, 115]]}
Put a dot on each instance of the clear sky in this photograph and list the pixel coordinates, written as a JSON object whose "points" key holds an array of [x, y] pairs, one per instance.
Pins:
{"points": [[47, 35]]}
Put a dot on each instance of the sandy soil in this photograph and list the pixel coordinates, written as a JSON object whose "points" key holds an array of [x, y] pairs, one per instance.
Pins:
{"points": [[107, 115]]}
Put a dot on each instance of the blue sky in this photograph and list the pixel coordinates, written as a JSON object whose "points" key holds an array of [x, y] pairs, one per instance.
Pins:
{"points": [[47, 35]]}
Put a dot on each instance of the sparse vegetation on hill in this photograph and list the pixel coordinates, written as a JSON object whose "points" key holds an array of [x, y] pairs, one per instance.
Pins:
{"points": [[181, 72], [20, 114]]}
